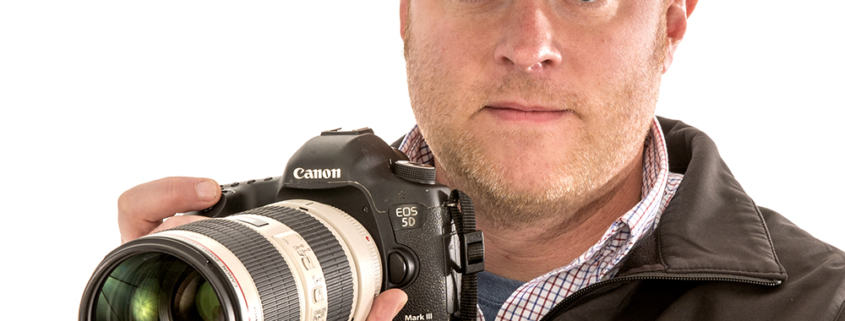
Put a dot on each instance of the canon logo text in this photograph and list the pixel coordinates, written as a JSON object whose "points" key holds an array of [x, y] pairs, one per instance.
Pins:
{"points": [[301, 173]]}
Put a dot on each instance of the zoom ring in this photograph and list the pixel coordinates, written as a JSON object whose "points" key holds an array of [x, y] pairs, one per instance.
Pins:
{"points": [[270, 273], [336, 267]]}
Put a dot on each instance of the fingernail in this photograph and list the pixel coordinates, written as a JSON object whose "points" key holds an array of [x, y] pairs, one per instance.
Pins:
{"points": [[399, 308], [207, 190]]}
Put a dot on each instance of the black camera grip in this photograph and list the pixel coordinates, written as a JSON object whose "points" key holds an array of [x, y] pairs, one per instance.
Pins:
{"points": [[241, 196]]}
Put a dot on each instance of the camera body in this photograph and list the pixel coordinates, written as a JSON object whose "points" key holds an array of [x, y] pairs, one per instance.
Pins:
{"points": [[398, 203]]}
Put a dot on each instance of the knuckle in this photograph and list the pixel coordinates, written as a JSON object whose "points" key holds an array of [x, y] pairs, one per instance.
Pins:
{"points": [[126, 202], [122, 206]]}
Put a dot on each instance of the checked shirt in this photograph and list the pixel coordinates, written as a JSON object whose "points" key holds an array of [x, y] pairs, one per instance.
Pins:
{"points": [[535, 298]]}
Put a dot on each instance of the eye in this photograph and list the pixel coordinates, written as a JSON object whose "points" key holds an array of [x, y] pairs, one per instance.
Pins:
{"points": [[592, 7], [589, 2]]}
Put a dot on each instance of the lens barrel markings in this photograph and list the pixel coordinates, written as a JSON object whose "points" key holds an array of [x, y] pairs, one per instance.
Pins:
{"points": [[336, 267], [270, 273]]}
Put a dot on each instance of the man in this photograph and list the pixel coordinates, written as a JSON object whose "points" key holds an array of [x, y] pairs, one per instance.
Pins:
{"points": [[543, 112]]}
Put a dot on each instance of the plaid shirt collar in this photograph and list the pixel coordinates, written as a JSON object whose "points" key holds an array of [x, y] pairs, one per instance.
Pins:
{"points": [[535, 298]]}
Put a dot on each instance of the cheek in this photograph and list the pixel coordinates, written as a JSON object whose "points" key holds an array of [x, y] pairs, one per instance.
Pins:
{"points": [[616, 51], [462, 55], [445, 73], [608, 59], [457, 46]]}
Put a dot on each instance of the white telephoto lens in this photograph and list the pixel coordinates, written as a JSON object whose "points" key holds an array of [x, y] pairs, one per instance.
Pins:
{"points": [[291, 260]]}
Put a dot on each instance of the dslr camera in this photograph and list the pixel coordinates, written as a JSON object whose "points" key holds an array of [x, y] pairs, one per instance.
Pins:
{"points": [[349, 218]]}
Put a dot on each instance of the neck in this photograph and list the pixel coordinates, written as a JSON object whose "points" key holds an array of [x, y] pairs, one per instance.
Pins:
{"points": [[527, 252]]}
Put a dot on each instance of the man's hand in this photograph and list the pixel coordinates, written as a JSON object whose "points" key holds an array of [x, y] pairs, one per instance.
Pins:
{"points": [[387, 305], [141, 209]]}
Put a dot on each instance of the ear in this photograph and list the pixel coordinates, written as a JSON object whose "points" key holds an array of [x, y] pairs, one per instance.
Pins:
{"points": [[691, 6], [676, 26], [403, 17]]}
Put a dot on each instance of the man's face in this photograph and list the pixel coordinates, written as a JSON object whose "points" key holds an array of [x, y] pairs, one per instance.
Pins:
{"points": [[534, 107]]}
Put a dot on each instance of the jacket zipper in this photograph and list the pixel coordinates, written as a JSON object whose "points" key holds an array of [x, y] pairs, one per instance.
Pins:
{"points": [[694, 277]]}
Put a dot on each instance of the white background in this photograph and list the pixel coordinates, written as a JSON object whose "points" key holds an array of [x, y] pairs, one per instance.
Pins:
{"points": [[98, 96]]}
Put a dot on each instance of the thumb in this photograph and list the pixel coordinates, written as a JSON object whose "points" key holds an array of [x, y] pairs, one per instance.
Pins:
{"points": [[387, 305]]}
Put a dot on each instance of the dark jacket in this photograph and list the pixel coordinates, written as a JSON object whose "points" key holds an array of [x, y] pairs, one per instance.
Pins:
{"points": [[716, 255]]}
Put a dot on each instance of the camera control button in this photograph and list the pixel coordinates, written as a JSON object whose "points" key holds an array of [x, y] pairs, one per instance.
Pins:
{"points": [[398, 267], [307, 263], [318, 294], [250, 220], [415, 172]]}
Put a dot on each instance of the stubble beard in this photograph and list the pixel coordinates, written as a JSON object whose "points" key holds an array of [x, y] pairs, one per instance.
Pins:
{"points": [[562, 196]]}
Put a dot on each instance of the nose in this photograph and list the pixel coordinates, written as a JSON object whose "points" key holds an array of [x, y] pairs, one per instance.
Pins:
{"points": [[528, 40]]}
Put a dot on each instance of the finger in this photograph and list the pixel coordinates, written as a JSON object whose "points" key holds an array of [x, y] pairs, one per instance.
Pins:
{"points": [[177, 221], [141, 208], [387, 304]]}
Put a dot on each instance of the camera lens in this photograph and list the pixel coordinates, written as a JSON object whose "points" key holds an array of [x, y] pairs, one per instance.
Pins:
{"points": [[148, 285], [293, 260]]}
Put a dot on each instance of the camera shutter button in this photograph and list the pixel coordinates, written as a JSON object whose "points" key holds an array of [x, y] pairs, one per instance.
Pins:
{"points": [[398, 268]]}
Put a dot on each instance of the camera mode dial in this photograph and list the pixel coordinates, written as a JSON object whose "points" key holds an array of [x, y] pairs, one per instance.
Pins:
{"points": [[415, 172]]}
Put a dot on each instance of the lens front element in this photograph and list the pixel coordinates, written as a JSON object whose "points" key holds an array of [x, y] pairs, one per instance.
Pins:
{"points": [[156, 286]]}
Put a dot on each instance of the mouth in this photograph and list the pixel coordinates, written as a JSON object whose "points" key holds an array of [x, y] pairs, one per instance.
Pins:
{"points": [[525, 113]]}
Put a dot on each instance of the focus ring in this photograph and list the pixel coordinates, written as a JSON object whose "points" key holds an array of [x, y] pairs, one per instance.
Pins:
{"points": [[270, 273], [336, 267]]}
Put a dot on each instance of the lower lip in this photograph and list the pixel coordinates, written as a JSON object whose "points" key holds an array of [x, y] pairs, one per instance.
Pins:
{"points": [[526, 116]]}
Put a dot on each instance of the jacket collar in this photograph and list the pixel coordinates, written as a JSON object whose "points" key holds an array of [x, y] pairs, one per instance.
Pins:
{"points": [[711, 226]]}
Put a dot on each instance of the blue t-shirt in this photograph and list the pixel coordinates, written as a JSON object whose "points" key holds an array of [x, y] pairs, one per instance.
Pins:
{"points": [[493, 291]]}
